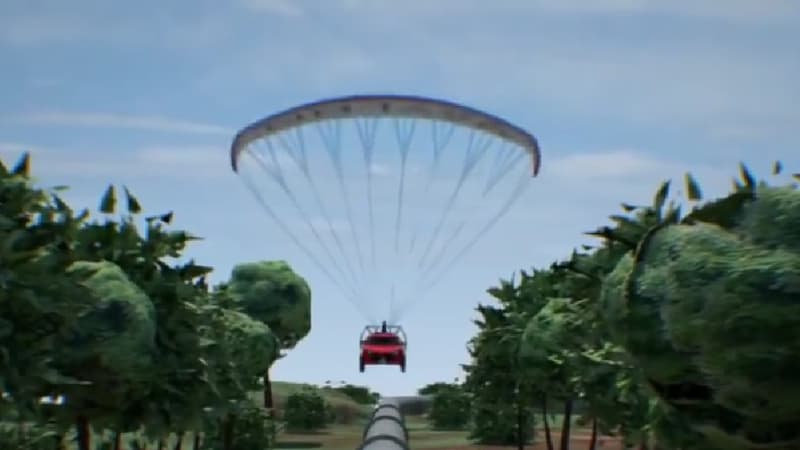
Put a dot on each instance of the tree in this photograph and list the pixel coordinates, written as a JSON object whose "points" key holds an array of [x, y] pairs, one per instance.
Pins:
{"points": [[722, 284], [271, 292], [306, 410], [590, 327], [451, 407], [92, 313], [111, 347], [433, 388], [33, 223], [502, 398]]}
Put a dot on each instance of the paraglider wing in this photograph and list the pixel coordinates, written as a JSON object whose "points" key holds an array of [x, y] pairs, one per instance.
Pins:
{"points": [[382, 215], [386, 106]]}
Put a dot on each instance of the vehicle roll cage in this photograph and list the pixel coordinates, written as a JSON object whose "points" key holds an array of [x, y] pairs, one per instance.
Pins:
{"points": [[396, 330]]}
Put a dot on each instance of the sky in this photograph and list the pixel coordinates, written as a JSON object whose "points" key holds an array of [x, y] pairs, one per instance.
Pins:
{"points": [[621, 94]]}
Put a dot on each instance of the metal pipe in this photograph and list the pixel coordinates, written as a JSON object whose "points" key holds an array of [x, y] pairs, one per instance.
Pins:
{"points": [[386, 428]]}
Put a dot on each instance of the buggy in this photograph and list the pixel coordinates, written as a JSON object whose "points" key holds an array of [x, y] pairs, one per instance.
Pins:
{"points": [[382, 345]]}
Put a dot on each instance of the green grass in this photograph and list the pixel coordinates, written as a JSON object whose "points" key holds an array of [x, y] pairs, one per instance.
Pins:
{"points": [[348, 437]]}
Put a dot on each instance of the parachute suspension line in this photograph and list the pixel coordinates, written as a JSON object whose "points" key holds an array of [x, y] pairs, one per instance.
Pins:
{"points": [[515, 195], [506, 207], [297, 153], [506, 159], [299, 149], [392, 300], [404, 137], [277, 175], [311, 256], [501, 167], [367, 137], [454, 236], [471, 159], [439, 144], [333, 145]]}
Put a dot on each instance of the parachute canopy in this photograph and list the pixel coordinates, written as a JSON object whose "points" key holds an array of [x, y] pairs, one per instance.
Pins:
{"points": [[385, 193]]}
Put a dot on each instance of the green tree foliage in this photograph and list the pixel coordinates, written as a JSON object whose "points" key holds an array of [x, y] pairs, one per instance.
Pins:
{"points": [[252, 429], [359, 394], [433, 388], [273, 293], [306, 410], [34, 226], [502, 396], [677, 331], [99, 314], [723, 284], [451, 407]]}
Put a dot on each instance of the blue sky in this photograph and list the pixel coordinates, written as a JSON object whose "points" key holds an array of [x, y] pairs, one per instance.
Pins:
{"points": [[620, 93]]}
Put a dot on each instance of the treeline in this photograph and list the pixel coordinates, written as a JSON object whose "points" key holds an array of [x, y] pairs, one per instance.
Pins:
{"points": [[678, 330], [131, 346]]}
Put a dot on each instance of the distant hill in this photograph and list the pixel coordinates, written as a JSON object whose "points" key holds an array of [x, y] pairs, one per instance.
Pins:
{"points": [[344, 408]]}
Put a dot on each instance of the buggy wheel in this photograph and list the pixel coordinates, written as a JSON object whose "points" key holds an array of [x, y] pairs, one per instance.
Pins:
{"points": [[403, 365], [361, 364]]}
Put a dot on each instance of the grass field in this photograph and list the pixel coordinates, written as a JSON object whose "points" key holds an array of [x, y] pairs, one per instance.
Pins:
{"points": [[346, 433], [343, 437], [348, 437], [422, 437]]}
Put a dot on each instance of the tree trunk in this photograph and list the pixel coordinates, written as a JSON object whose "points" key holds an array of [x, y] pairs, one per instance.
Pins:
{"points": [[593, 439], [58, 442], [179, 441], [268, 405], [161, 444], [84, 437], [117, 440], [566, 425], [548, 437], [520, 425], [196, 444], [227, 432]]}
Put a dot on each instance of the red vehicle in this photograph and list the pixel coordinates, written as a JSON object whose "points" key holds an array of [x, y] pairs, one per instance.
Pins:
{"points": [[383, 345]]}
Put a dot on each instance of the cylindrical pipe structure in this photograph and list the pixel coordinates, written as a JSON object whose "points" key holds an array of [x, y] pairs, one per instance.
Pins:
{"points": [[386, 428]]}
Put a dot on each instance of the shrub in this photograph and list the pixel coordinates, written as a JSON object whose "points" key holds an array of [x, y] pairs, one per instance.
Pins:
{"points": [[306, 410], [450, 409], [344, 413], [252, 429]]}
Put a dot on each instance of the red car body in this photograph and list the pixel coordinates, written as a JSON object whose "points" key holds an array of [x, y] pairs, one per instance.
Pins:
{"points": [[382, 346]]}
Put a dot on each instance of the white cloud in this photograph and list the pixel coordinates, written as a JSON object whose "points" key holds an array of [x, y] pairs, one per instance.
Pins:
{"points": [[730, 10], [152, 161], [48, 22], [380, 170], [733, 10], [613, 165], [15, 147], [284, 8], [701, 85], [186, 156], [112, 120], [38, 29]]}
